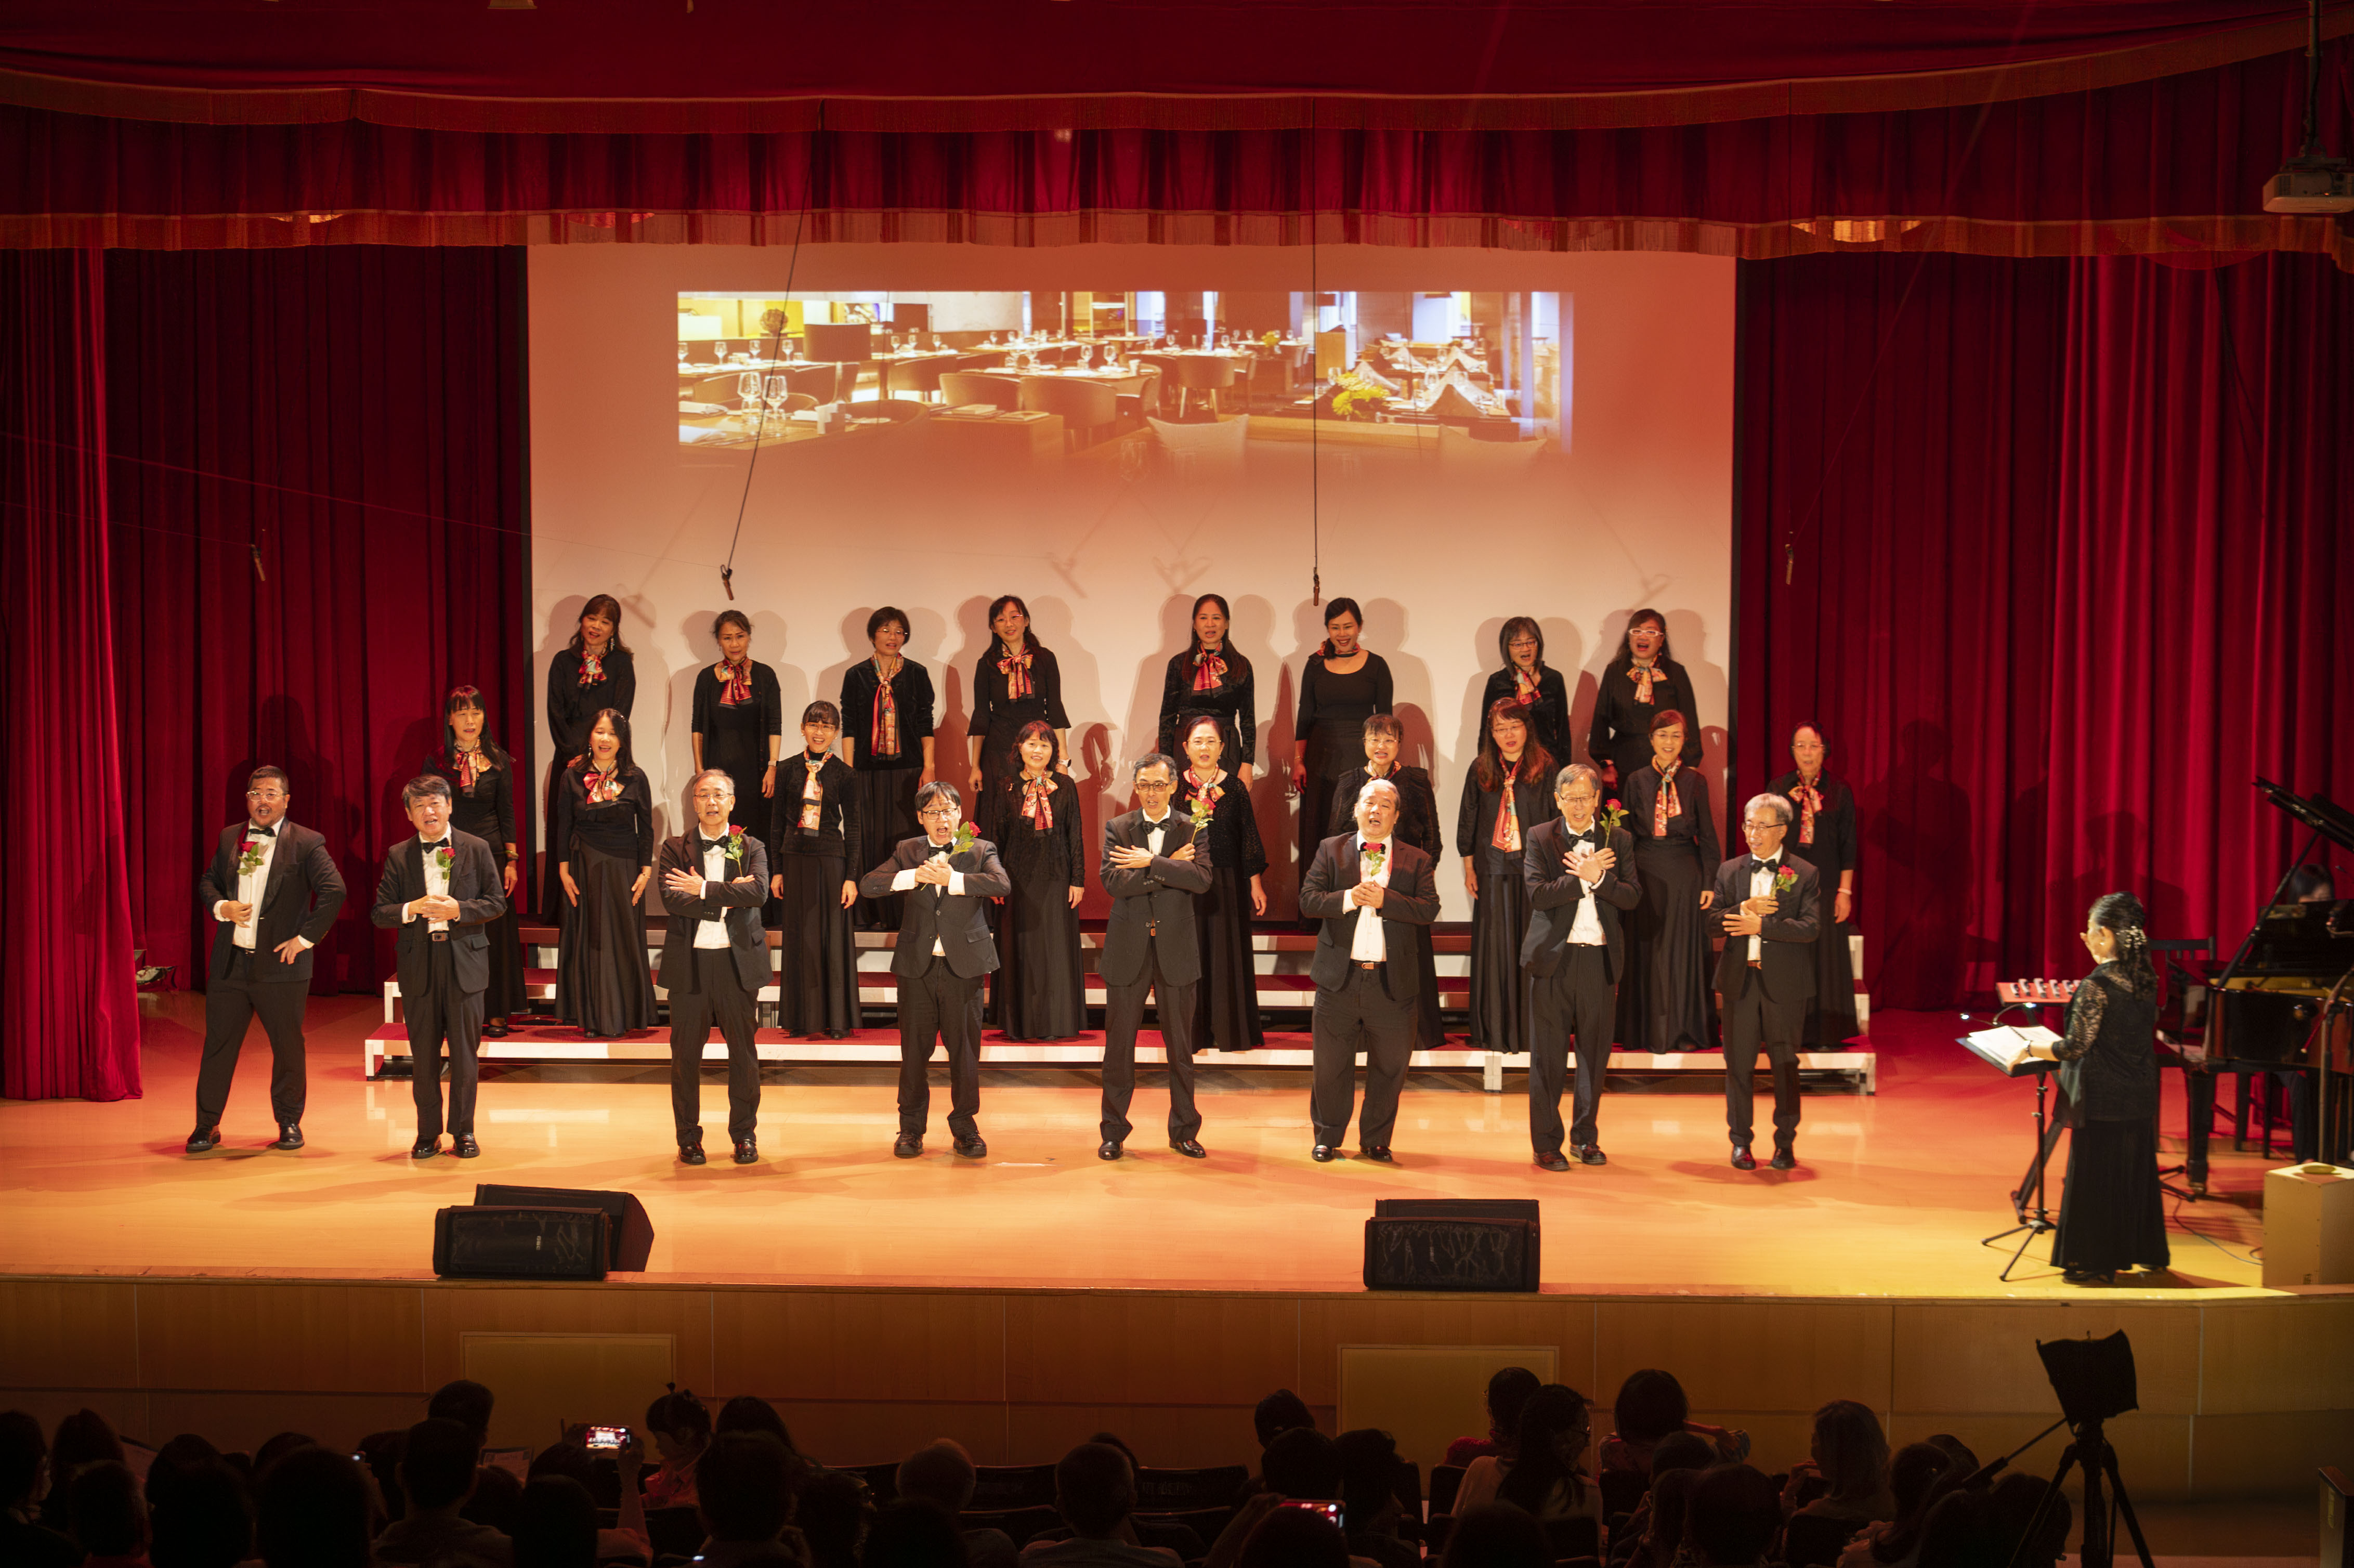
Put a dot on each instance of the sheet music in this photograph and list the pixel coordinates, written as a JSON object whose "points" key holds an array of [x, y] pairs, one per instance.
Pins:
{"points": [[2008, 1043]]}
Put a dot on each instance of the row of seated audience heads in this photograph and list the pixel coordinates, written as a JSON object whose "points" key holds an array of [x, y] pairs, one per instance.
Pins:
{"points": [[1660, 1491]]}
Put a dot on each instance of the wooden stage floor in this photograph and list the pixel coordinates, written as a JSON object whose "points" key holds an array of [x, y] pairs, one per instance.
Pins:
{"points": [[1892, 1198]]}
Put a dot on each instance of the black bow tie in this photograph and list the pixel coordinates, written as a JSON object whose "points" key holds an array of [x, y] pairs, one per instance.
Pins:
{"points": [[1580, 836], [439, 844], [265, 833], [711, 845], [1756, 865]]}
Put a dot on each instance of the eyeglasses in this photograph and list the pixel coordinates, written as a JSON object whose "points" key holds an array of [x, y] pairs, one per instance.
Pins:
{"points": [[1154, 786], [715, 794], [938, 813], [1752, 825], [1519, 642], [265, 795]]}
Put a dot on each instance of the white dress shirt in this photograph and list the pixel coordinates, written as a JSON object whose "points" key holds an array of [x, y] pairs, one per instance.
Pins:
{"points": [[437, 882], [1761, 885], [711, 931], [249, 885], [1585, 929], [1154, 827], [906, 882], [1370, 944]]}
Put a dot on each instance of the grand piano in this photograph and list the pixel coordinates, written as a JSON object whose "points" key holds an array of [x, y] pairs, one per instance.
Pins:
{"points": [[2280, 1003]]}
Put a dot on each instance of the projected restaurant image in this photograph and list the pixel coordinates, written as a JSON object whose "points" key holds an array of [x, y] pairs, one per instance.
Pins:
{"points": [[1076, 374]]}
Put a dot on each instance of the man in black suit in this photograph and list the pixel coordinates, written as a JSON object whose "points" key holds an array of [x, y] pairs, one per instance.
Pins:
{"points": [[272, 893], [1370, 889], [1151, 872], [714, 960], [1769, 906], [439, 890], [940, 955], [1575, 952]]}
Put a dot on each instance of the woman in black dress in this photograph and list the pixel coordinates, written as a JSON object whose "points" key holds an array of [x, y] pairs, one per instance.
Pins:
{"points": [[1526, 681], [1507, 792], [1225, 1003], [1038, 991], [1417, 824], [1823, 833], [481, 776], [1639, 684], [1664, 1003], [809, 831], [593, 673], [1015, 682], [1342, 684], [887, 737], [739, 724], [605, 834], [1211, 678], [2111, 1215]]}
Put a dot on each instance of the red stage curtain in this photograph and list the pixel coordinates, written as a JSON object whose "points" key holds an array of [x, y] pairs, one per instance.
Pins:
{"points": [[2068, 567], [68, 1016], [356, 416]]}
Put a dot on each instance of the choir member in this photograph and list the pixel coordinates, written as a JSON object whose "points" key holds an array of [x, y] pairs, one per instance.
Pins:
{"points": [[1824, 835], [811, 825], [1214, 678], [1639, 684], [887, 737], [1526, 680], [1225, 999], [591, 674], [1342, 684], [1153, 871], [1666, 1006], [1507, 793], [439, 891], [1580, 876], [481, 776], [272, 893], [738, 722], [1769, 906], [714, 960], [1014, 682], [604, 839], [1367, 888], [2111, 1213], [1039, 989], [1385, 738]]}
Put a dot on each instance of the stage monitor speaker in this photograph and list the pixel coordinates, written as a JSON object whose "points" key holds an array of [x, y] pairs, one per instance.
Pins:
{"points": [[1453, 1243], [632, 1238], [520, 1243]]}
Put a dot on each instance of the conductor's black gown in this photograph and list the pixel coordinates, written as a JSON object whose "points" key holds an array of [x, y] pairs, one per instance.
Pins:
{"points": [[2112, 1215]]}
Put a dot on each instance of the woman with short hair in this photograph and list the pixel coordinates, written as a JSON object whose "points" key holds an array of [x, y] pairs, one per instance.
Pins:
{"points": [[886, 738], [605, 843], [810, 829], [480, 777], [592, 673], [738, 722]]}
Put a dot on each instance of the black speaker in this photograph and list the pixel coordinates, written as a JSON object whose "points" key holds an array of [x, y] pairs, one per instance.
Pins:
{"points": [[520, 1244], [1453, 1243], [631, 1239]]}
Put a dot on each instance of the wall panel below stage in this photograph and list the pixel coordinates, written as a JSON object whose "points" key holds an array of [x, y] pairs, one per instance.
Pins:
{"points": [[2241, 1394]]}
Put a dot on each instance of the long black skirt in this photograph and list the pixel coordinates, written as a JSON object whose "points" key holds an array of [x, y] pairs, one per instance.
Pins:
{"points": [[602, 983], [1225, 999], [886, 818], [817, 974], [1037, 992], [1331, 751], [1503, 1013], [1665, 1003], [1831, 1013], [2112, 1215], [503, 998]]}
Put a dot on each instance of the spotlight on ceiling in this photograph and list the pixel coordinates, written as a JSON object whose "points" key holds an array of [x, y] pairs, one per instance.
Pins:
{"points": [[2312, 182]]}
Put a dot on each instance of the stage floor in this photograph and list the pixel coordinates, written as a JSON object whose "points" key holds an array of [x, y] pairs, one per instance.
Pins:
{"points": [[1894, 1195]]}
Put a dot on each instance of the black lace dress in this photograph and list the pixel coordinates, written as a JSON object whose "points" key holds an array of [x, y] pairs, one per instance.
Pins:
{"points": [[2112, 1213], [1226, 1001]]}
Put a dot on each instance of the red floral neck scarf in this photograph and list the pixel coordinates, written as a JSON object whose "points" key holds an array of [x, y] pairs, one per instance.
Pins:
{"points": [[1038, 802], [1643, 674], [1211, 788], [1015, 668], [1810, 801], [1526, 687], [738, 677], [1666, 806], [1507, 835], [603, 787], [1209, 669], [592, 669], [882, 736]]}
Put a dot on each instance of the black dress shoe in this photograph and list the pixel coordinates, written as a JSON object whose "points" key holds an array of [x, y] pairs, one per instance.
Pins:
{"points": [[426, 1149], [1379, 1154], [464, 1147], [1741, 1159], [1552, 1160], [1108, 1150], [907, 1145], [1190, 1147], [1785, 1158], [496, 1029], [290, 1136], [972, 1148], [1323, 1154], [748, 1150], [204, 1140], [690, 1154], [1590, 1154], [2089, 1276]]}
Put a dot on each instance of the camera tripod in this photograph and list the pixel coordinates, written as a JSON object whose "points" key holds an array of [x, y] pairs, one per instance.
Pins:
{"points": [[2090, 1449]]}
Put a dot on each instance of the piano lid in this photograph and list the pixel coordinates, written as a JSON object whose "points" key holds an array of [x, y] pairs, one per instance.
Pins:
{"points": [[2332, 821]]}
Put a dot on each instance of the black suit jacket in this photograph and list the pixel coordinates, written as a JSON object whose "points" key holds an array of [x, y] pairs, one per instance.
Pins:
{"points": [[1412, 900], [1785, 953], [736, 901], [1555, 895], [959, 922], [473, 883], [300, 899], [1163, 892]]}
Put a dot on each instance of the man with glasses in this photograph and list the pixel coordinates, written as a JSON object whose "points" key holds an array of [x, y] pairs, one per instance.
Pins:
{"points": [[1768, 903], [1150, 870], [942, 950], [714, 960], [272, 893], [1580, 874]]}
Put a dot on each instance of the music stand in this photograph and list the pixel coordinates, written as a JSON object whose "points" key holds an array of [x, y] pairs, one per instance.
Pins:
{"points": [[2027, 1205], [840, 344]]}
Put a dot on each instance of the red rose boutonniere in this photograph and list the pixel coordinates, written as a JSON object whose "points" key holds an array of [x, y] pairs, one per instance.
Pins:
{"points": [[1784, 880], [734, 843], [249, 858], [443, 858]]}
